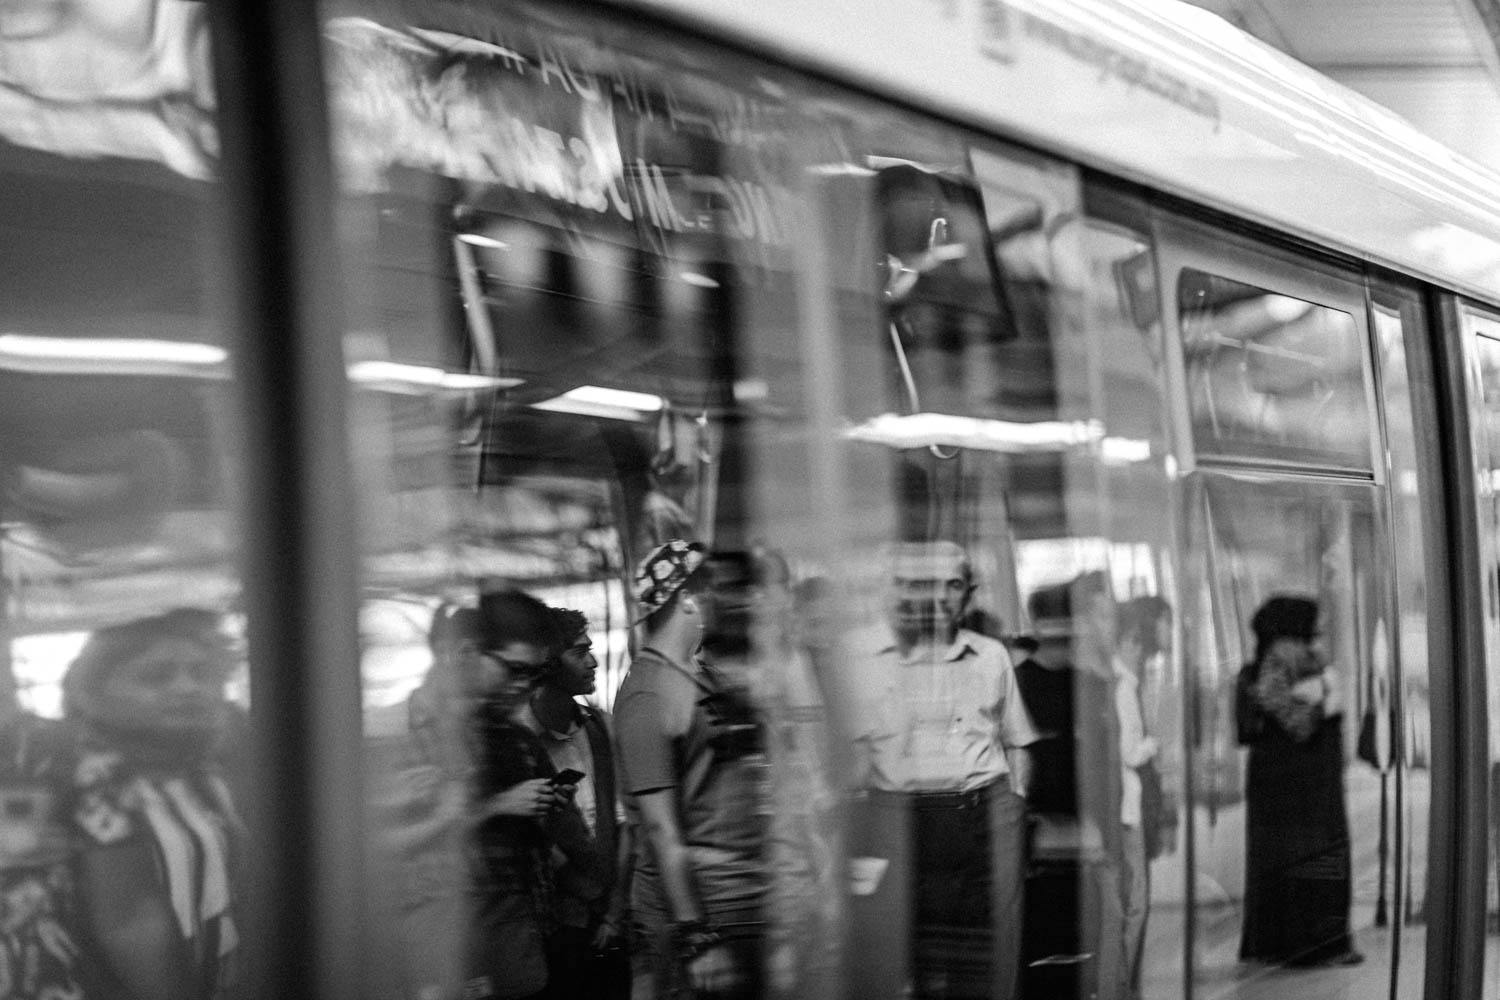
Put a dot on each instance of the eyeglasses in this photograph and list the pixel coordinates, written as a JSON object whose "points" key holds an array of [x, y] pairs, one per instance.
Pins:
{"points": [[517, 668]]}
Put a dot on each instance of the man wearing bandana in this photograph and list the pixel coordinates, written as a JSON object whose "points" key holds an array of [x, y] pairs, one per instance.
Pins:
{"points": [[692, 763]]}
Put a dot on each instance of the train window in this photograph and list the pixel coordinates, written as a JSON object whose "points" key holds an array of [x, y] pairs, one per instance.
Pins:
{"points": [[598, 287], [122, 691], [618, 301], [1272, 377]]}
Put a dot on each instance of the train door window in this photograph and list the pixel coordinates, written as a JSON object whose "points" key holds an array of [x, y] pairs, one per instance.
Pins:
{"points": [[1289, 616], [1273, 378], [1483, 329], [611, 296], [122, 684]]}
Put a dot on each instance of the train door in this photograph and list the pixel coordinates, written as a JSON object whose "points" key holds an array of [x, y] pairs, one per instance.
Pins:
{"points": [[1289, 624]]}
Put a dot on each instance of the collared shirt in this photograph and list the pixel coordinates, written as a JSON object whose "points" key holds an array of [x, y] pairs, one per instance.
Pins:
{"points": [[939, 719], [569, 750], [1135, 746]]}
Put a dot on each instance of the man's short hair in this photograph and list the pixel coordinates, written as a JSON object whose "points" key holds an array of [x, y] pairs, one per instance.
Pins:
{"points": [[936, 560], [570, 624], [508, 614]]}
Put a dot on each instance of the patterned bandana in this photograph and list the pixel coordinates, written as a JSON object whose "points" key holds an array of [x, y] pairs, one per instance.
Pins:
{"points": [[662, 574]]}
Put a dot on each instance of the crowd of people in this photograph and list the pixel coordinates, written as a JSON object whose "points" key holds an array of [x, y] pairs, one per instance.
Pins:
{"points": [[923, 811]]}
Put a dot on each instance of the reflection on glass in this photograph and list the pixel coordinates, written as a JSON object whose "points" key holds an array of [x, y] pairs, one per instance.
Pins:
{"points": [[122, 834], [1291, 645], [1406, 750], [1272, 377], [1487, 448]]}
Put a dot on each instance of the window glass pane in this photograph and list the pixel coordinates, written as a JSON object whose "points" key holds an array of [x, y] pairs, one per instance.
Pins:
{"points": [[583, 275], [1271, 377], [123, 692], [1290, 641], [656, 292]]}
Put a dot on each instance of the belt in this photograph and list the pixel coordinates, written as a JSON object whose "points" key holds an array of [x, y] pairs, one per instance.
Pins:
{"points": [[973, 798]]}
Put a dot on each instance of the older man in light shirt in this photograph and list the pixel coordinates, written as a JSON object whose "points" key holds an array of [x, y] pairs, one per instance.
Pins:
{"points": [[939, 728]]}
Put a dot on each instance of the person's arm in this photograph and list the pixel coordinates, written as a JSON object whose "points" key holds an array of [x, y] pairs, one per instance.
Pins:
{"points": [[613, 926], [713, 969], [1015, 730], [530, 799], [127, 914]]}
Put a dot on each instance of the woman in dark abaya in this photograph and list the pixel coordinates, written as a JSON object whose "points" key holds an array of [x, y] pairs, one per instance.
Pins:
{"points": [[1297, 856]]}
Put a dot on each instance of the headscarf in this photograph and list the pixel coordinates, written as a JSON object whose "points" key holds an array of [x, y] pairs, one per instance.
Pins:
{"points": [[1279, 667]]}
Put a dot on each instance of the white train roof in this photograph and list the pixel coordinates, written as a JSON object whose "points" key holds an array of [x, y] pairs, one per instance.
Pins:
{"points": [[1158, 92]]}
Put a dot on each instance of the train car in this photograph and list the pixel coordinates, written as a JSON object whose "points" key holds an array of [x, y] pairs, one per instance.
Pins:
{"points": [[322, 325]]}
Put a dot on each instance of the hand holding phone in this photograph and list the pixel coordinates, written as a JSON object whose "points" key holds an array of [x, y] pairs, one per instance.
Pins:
{"points": [[568, 776]]}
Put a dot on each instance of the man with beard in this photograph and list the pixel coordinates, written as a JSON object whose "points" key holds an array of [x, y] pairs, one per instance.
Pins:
{"points": [[692, 763], [589, 901], [939, 725]]}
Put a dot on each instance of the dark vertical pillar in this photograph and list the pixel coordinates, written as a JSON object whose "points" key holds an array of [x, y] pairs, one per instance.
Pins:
{"points": [[278, 194]]}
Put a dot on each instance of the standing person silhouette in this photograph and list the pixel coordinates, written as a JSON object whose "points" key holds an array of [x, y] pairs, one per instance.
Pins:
{"points": [[1289, 712]]}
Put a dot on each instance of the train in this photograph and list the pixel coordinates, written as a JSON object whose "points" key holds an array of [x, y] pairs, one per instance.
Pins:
{"points": [[326, 316]]}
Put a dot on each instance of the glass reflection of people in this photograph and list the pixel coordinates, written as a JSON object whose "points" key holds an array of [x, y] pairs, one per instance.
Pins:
{"points": [[525, 816], [37, 898], [442, 792], [1289, 713], [590, 903], [941, 733], [751, 644], [1144, 630], [420, 757], [160, 836], [692, 764]]}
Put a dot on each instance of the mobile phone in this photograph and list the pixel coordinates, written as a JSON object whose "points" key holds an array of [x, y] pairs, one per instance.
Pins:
{"points": [[568, 776]]}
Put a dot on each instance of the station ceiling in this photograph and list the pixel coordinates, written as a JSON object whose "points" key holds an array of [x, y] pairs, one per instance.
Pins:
{"points": [[1434, 62]]}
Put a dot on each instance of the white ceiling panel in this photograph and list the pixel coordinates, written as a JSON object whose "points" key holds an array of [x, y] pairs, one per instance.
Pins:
{"points": [[1430, 61]]}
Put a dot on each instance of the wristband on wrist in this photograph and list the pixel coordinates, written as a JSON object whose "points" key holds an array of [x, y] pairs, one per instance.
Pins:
{"points": [[694, 937]]}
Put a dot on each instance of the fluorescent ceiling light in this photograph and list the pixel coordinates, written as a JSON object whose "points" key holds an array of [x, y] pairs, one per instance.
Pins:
{"points": [[423, 380], [700, 280], [1124, 451], [921, 430], [110, 356], [480, 240], [599, 401]]}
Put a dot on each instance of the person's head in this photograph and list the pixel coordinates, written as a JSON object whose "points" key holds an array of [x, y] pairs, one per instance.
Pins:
{"points": [[931, 588], [574, 669], [453, 638], [1144, 627], [1285, 617], [668, 582], [158, 677], [517, 640], [744, 594]]}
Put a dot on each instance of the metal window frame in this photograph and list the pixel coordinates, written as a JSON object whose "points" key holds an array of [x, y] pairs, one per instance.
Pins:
{"points": [[300, 562]]}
